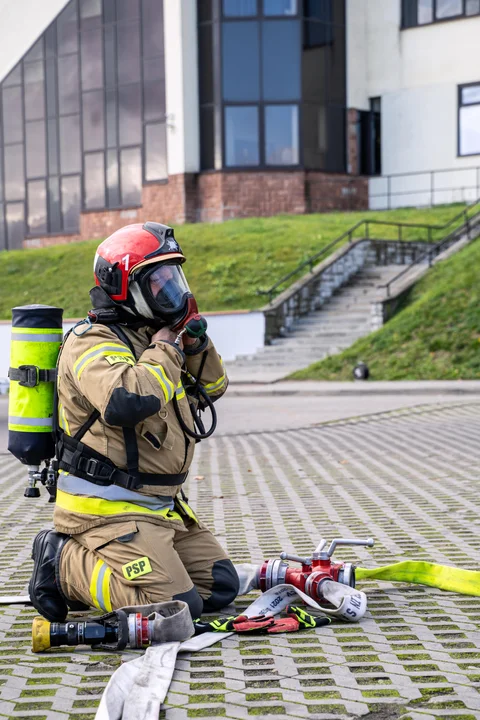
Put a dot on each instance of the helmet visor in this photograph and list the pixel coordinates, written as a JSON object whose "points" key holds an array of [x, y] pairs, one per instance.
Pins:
{"points": [[167, 287]]}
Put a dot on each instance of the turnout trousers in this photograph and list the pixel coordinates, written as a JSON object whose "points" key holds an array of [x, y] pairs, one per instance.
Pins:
{"points": [[137, 562]]}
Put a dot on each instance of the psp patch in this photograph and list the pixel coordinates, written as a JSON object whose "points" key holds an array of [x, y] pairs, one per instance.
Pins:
{"points": [[136, 568], [114, 359]]}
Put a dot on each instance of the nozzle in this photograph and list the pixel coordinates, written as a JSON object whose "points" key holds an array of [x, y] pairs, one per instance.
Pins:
{"points": [[40, 634]]}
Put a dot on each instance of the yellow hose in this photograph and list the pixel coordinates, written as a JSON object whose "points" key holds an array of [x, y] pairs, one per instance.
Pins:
{"points": [[466, 582]]}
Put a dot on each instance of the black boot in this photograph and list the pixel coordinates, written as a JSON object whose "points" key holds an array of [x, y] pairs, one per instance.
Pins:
{"points": [[45, 592]]}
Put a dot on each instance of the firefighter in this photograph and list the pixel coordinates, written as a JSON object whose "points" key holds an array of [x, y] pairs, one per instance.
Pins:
{"points": [[124, 532]]}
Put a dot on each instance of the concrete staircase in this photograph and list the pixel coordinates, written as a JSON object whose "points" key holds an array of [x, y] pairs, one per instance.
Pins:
{"points": [[342, 320]]}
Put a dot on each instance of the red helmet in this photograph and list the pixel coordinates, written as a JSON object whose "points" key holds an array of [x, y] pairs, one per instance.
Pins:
{"points": [[139, 267]]}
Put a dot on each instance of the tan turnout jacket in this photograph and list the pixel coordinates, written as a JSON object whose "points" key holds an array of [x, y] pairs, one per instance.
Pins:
{"points": [[98, 371]]}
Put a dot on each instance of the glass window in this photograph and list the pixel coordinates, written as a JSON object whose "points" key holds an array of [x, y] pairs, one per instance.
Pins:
{"points": [[239, 8], [51, 85], [52, 144], [241, 136], [155, 152], [90, 9], [128, 45], [110, 41], [204, 10], [129, 109], [37, 207], [54, 214], [113, 187], [207, 138], [280, 7], [471, 94], [14, 77], [12, 115], [68, 90], [15, 216], [281, 60], [128, 9], [14, 174], [448, 8], [71, 203], [94, 179], [112, 118], [425, 11], [67, 30], [34, 91], [152, 39], [131, 176], [205, 62], [281, 135], [36, 149], [70, 144], [92, 59], [470, 130], [154, 89], [93, 120], [36, 52], [472, 7], [241, 61]]}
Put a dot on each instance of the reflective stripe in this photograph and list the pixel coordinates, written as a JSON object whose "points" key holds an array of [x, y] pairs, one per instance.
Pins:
{"points": [[159, 374], [77, 486], [44, 337], [36, 331], [103, 349], [187, 509], [62, 419], [216, 386], [33, 422], [100, 586], [180, 391], [99, 506]]}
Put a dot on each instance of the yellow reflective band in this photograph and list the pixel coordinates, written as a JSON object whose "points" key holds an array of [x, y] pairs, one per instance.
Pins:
{"points": [[136, 568], [99, 506], [159, 374], [466, 582], [100, 350], [100, 586], [187, 509], [216, 386], [36, 331], [180, 391], [30, 428], [62, 418]]}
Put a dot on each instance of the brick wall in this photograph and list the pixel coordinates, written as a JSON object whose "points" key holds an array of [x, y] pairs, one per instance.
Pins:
{"points": [[217, 196]]}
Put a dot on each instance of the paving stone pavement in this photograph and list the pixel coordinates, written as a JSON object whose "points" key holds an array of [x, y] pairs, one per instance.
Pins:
{"points": [[409, 478]]}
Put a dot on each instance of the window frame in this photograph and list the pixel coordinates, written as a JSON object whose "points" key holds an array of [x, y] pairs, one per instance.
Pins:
{"points": [[461, 16], [461, 105]]}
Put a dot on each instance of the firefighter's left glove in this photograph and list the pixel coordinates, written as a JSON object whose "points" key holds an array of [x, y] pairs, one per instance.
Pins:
{"points": [[235, 623]]}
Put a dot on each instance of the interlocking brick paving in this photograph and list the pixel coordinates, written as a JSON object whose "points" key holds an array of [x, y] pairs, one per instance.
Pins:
{"points": [[409, 478]]}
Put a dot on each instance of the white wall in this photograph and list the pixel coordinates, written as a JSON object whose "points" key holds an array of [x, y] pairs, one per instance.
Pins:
{"points": [[181, 69], [21, 24], [233, 334]]}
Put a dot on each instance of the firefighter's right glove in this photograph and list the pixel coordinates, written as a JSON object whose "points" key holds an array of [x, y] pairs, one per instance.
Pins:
{"points": [[235, 623]]}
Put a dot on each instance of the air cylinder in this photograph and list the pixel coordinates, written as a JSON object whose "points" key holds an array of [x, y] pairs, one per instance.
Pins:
{"points": [[37, 333]]}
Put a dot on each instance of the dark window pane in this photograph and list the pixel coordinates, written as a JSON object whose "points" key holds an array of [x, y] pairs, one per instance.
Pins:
{"points": [[68, 91], [36, 53], [207, 138], [205, 62], [239, 8], [154, 89], [54, 214], [67, 30], [111, 115], [15, 225], [314, 136], [36, 149], [113, 187], [204, 10], [109, 11], [37, 207], [71, 203], [90, 9], [449, 8], [128, 9], [472, 7], [241, 61], [280, 7], [425, 11], [93, 120], [152, 41], [3, 235], [336, 140], [14, 77], [155, 152], [281, 60], [129, 108], [52, 140], [281, 135], [241, 136], [92, 59], [128, 47], [131, 176], [70, 144], [51, 83], [471, 95], [94, 178], [34, 91], [14, 173], [12, 115], [109, 37]]}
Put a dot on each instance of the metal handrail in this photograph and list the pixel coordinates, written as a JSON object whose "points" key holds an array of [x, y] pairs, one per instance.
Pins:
{"points": [[434, 250], [312, 260]]}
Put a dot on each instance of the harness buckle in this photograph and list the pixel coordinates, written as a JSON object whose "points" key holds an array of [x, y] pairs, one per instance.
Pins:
{"points": [[30, 377], [91, 468]]}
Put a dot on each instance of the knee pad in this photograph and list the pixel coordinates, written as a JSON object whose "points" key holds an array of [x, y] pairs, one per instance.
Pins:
{"points": [[193, 600], [224, 588]]}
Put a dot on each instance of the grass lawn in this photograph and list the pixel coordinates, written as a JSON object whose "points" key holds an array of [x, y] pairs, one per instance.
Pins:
{"points": [[226, 264], [436, 336]]}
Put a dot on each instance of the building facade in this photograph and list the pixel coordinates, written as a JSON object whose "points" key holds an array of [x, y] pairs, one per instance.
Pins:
{"points": [[119, 111]]}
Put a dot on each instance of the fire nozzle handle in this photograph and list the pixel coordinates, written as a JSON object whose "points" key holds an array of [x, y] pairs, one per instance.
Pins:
{"points": [[369, 542], [296, 558]]}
